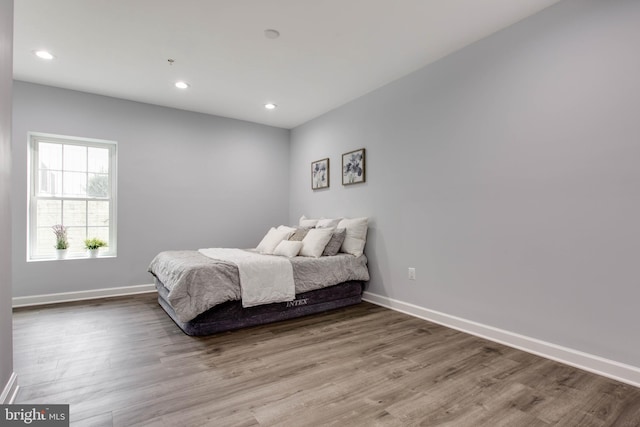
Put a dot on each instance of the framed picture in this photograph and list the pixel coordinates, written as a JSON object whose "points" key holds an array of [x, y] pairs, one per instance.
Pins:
{"points": [[353, 167], [320, 174]]}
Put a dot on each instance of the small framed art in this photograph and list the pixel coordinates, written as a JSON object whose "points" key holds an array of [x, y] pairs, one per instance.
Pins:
{"points": [[320, 174], [353, 167]]}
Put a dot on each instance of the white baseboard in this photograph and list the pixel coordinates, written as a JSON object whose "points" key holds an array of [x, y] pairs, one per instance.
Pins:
{"points": [[598, 365], [10, 390], [81, 295]]}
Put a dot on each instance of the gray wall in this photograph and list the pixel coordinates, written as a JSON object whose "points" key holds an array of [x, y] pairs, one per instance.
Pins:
{"points": [[507, 175], [185, 181], [6, 71]]}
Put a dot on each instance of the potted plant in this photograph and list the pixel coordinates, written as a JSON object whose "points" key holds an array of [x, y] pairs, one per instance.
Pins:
{"points": [[93, 245], [62, 242]]}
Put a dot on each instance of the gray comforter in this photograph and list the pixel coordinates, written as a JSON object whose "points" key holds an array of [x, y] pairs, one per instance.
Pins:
{"points": [[196, 282]]}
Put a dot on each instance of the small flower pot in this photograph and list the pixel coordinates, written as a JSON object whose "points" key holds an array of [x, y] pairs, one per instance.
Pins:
{"points": [[61, 253], [93, 253]]}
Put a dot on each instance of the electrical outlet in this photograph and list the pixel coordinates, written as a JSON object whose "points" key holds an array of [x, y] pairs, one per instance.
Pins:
{"points": [[412, 273]]}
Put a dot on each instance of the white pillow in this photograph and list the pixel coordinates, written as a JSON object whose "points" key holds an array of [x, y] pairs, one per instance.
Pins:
{"points": [[315, 241], [328, 223], [269, 242], [287, 228], [306, 222], [288, 248], [356, 235]]}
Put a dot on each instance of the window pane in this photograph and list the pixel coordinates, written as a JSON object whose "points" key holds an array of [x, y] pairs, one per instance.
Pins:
{"points": [[75, 184], [45, 241], [98, 160], [98, 213], [50, 156], [98, 185], [49, 183], [75, 213], [75, 158], [77, 235], [48, 213]]}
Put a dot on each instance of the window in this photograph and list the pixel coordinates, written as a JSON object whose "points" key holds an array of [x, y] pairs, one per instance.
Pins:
{"points": [[73, 183]]}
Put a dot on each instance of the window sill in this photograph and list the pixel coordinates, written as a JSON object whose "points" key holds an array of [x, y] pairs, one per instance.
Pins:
{"points": [[73, 258]]}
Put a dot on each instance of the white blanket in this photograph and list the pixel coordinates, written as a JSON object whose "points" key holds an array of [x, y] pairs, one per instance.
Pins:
{"points": [[263, 278]]}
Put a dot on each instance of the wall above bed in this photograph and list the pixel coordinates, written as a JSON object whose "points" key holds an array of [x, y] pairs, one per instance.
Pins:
{"points": [[185, 181]]}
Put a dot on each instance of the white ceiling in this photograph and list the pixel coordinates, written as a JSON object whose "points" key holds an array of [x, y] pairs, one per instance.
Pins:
{"points": [[329, 51]]}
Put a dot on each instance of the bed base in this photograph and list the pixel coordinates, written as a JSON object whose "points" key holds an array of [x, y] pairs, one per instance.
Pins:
{"points": [[231, 315]]}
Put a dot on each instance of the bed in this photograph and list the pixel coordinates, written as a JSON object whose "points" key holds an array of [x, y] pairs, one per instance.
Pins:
{"points": [[208, 291]]}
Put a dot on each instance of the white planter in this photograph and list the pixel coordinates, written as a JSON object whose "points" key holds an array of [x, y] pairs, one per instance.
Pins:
{"points": [[61, 253], [93, 253]]}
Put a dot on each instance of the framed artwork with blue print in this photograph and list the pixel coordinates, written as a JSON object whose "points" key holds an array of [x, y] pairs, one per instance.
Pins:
{"points": [[320, 174], [353, 167]]}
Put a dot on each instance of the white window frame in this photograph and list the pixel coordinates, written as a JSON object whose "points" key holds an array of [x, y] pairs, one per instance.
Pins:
{"points": [[112, 146]]}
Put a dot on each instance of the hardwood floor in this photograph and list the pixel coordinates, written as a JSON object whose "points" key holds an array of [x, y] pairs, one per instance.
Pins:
{"points": [[122, 362]]}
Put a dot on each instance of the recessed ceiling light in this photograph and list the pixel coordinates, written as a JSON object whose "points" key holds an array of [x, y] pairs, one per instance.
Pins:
{"points": [[182, 85], [43, 54], [271, 34], [270, 106]]}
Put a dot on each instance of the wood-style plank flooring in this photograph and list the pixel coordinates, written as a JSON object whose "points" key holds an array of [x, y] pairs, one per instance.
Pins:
{"points": [[122, 362]]}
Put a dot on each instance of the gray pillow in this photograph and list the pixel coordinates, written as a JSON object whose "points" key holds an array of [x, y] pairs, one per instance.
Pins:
{"points": [[299, 234], [333, 247]]}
